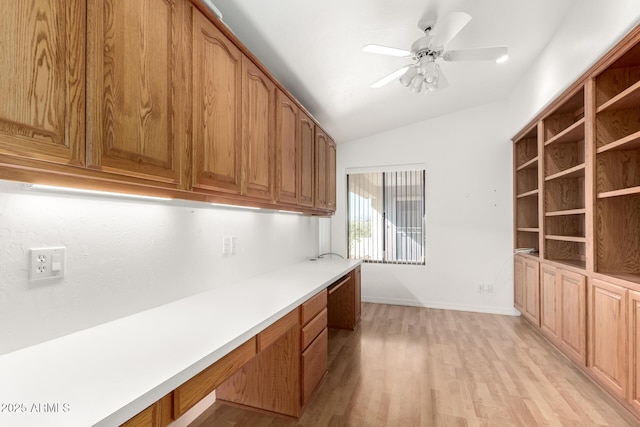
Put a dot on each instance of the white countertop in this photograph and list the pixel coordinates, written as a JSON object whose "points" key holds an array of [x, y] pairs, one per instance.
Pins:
{"points": [[105, 375]]}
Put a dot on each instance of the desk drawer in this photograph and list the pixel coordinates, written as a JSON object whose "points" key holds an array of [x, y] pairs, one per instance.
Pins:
{"points": [[312, 307], [194, 390], [313, 329], [314, 365]]}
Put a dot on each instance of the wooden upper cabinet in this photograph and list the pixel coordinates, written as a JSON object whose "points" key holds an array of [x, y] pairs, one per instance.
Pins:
{"points": [[42, 59], [287, 149], [331, 175], [258, 133], [217, 109], [322, 142], [307, 160], [134, 87]]}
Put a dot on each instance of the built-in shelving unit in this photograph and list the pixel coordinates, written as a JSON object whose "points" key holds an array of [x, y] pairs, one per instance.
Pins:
{"points": [[526, 160], [564, 176], [617, 180]]}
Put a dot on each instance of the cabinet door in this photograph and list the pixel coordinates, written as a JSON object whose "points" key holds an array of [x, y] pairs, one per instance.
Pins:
{"points": [[518, 283], [532, 291], [634, 349], [42, 59], [573, 315], [358, 292], [314, 362], [331, 175], [134, 87], [258, 122], [321, 169], [307, 160], [549, 303], [217, 107], [608, 335], [287, 149]]}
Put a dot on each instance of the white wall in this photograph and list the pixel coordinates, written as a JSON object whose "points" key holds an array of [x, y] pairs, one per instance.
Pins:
{"points": [[126, 256], [590, 29], [468, 211]]}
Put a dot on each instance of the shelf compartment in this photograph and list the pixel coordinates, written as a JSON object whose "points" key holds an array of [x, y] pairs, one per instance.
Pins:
{"points": [[567, 212], [527, 240], [567, 252], [617, 170], [564, 194], [618, 81], [570, 226], [527, 213], [577, 263], [574, 133], [613, 126], [631, 142], [617, 239], [526, 180], [628, 98], [565, 118], [617, 193], [576, 239], [635, 278], [560, 157], [531, 164], [526, 149], [528, 193], [574, 172]]}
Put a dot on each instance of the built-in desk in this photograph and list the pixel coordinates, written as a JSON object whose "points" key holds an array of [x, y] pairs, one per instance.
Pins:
{"points": [[108, 374]]}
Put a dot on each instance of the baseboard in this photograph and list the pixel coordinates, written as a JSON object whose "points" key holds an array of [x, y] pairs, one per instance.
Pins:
{"points": [[472, 308]]}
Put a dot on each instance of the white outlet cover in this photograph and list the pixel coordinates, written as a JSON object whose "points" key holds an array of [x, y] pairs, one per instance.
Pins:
{"points": [[41, 263]]}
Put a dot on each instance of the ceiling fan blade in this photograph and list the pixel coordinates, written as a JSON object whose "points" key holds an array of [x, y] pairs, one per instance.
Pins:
{"points": [[385, 50], [390, 77], [448, 28], [480, 54]]}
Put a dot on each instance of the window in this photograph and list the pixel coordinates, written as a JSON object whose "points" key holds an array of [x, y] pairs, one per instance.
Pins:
{"points": [[386, 217]]}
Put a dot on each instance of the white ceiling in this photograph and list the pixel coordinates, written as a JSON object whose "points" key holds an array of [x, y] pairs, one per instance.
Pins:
{"points": [[314, 48]]}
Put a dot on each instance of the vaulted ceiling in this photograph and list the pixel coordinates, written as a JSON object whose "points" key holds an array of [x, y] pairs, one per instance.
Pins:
{"points": [[314, 48]]}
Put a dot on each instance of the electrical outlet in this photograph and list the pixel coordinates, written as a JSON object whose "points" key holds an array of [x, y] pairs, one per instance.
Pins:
{"points": [[234, 245], [46, 263], [226, 245]]}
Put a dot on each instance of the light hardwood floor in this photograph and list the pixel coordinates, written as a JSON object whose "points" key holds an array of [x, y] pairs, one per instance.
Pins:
{"points": [[406, 366]]}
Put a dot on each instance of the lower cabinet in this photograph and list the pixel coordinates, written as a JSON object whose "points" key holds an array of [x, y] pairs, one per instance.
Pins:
{"points": [[518, 283], [529, 282], [608, 335], [572, 290], [345, 301], [634, 350], [550, 306]]}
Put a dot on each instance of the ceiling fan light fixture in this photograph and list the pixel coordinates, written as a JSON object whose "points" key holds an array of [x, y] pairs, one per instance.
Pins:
{"points": [[504, 58], [416, 83], [408, 76]]}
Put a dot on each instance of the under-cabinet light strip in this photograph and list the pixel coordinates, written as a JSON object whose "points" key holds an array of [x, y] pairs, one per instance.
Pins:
{"points": [[71, 190]]}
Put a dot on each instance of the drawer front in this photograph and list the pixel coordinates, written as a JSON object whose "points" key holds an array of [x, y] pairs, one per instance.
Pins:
{"points": [[156, 415], [314, 365], [194, 390], [275, 331], [313, 306], [313, 329]]}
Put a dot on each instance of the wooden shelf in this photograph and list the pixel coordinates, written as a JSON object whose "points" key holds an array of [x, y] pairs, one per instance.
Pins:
{"points": [[566, 212], [528, 230], [575, 239], [617, 193], [630, 142], [571, 262], [573, 133], [629, 98], [629, 277], [528, 193], [574, 172], [533, 163]]}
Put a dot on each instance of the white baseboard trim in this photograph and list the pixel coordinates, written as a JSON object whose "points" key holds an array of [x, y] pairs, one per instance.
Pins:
{"points": [[472, 308]]}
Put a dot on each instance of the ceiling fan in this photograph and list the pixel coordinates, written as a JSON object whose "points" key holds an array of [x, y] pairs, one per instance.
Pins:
{"points": [[424, 73]]}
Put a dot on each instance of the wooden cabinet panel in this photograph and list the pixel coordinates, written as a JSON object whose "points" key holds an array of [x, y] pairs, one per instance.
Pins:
{"points": [[549, 302], [331, 175], [634, 349], [156, 415], [518, 283], [314, 305], [307, 160], [322, 142], [42, 63], [258, 122], [573, 314], [313, 328], [271, 381], [357, 283], [532, 291], [217, 108], [135, 87], [608, 335], [194, 390], [288, 153], [344, 303], [273, 332], [314, 365]]}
